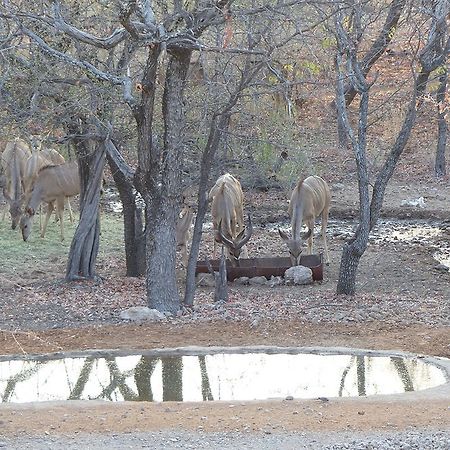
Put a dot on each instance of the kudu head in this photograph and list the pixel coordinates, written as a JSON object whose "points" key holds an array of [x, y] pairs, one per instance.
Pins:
{"points": [[234, 246], [25, 223], [295, 246], [15, 209]]}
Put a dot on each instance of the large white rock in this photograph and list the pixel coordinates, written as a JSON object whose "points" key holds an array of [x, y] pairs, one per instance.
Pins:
{"points": [[141, 313], [298, 275]]}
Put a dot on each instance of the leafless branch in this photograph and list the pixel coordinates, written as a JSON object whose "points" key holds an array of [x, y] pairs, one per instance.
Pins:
{"points": [[111, 41], [125, 82]]}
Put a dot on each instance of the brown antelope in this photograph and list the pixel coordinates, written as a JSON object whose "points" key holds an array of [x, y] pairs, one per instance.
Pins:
{"points": [[41, 158], [52, 185], [228, 217], [310, 199], [13, 161], [183, 225]]}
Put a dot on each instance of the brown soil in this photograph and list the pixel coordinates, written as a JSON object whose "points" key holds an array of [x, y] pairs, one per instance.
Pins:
{"points": [[400, 277]]}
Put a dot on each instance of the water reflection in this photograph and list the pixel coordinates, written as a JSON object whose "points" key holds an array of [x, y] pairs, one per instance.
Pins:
{"points": [[220, 376]]}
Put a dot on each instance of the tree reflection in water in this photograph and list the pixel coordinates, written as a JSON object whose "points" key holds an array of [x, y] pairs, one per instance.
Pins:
{"points": [[221, 376]]}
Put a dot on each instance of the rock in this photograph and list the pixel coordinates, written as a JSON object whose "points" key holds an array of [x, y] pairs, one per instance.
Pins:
{"points": [[257, 281], [298, 275], [205, 280], [441, 268], [275, 281], [420, 202], [141, 313], [242, 281]]}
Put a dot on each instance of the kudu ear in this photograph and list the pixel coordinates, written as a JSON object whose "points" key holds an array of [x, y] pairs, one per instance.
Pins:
{"points": [[283, 235]]}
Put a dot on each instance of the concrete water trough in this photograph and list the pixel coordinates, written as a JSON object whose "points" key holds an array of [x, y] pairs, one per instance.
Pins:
{"points": [[267, 267]]}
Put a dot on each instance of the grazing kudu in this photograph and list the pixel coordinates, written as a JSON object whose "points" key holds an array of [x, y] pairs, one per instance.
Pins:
{"points": [[13, 161], [228, 217], [52, 185], [183, 225], [310, 199], [41, 158]]}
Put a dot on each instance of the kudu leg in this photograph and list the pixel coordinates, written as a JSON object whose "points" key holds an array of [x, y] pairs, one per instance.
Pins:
{"points": [[310, 226], [70, 210], [324, 235], [50, 209], [60, 214]]}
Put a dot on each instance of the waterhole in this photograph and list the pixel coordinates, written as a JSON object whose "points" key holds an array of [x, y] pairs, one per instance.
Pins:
{"points": [[386, 232], [213, 376]]}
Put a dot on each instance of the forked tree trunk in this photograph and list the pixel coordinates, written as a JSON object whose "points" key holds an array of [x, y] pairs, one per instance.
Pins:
{"points": [[379, 46], [85, 243]]}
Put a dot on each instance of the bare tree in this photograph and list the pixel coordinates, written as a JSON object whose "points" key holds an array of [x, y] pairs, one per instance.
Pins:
{"points": [[431, 56], [442, 113]]}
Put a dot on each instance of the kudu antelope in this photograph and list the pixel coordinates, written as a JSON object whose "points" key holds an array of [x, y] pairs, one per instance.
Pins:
{"points": [[228, 217], [13, 161], [41, 158], [310, 199], [52, 185], [183, 226]]}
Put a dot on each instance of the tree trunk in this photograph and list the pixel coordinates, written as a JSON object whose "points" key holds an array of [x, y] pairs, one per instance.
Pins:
{"points": [[218, 126], [439, 167], [84, 247], [351, 255], [164, 197], [132, 213], [379, 46]]}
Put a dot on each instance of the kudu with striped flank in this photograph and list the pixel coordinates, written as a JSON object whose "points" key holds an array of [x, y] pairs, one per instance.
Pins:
{"points": [[13, 161], [310, 199], [227, 210], [41, 157], [52, 185]]}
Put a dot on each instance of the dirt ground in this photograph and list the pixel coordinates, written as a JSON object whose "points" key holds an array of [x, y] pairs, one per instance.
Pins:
{"points": [[400, 278]]}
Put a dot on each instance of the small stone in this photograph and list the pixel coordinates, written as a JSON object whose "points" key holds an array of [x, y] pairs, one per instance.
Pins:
{"points": [[298, 275], [275, 281], [441, 268], [241, 281], [257, 281], [141, 313]]}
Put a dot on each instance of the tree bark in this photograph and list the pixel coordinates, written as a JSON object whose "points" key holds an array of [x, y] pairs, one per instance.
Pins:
{"points": [[439, 168], [430, 57], [132, 213], [379, 46], [164, 197], [218, 125], [85, 243]]}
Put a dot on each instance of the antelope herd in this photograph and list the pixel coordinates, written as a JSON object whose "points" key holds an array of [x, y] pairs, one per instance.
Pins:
{"points": [[32, 177], [39, 175]]}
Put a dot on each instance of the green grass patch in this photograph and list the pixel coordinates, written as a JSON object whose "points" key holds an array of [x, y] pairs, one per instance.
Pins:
{"points": [[49, 255]]}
